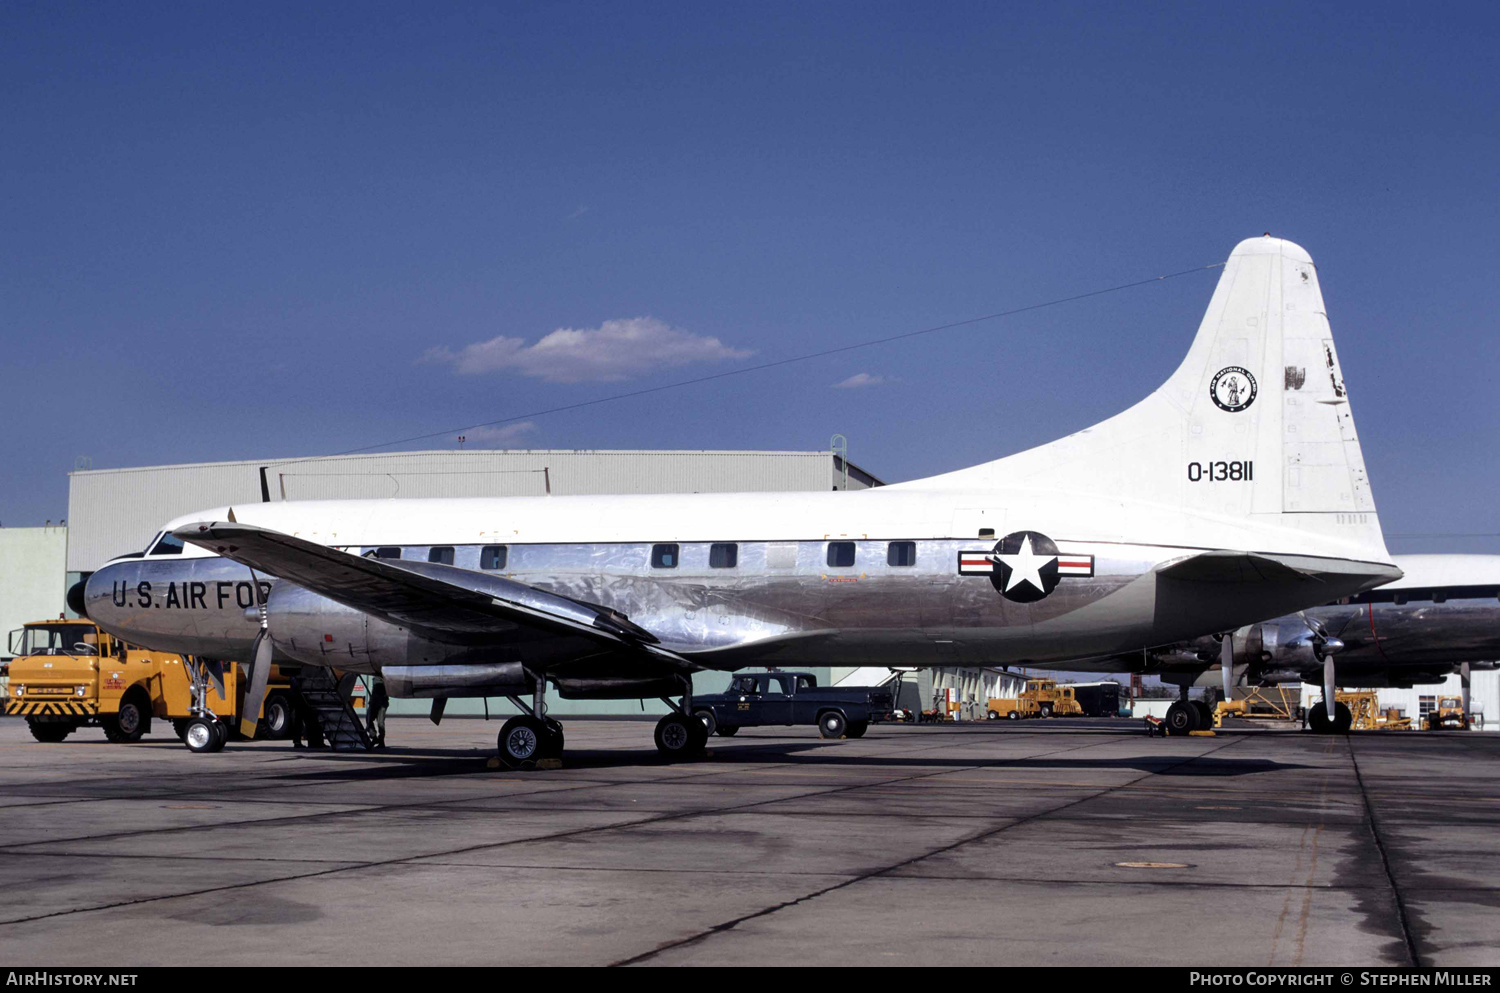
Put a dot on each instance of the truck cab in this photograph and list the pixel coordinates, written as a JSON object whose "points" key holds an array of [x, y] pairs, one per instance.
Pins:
{"points": [[69, 673]]}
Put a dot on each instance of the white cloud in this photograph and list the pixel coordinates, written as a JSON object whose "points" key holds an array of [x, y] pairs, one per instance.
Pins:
{"points": [[498, 436], [613, 351], [859, 379]]}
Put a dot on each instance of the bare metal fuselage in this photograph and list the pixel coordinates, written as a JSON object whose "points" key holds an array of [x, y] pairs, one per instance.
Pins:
{"points": [[781, 601]]}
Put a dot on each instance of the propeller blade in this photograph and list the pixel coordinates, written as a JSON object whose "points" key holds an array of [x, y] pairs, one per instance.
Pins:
{"points": [[260, 674]]}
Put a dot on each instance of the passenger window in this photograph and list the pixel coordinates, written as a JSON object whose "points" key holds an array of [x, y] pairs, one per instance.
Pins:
{"points": [[804, 683], [442, 555], [776, 684], [388, 552], [170, 544], [723, 555], [841, 554], [663, 556], [493, 557], [745, 684], [901, 553]]}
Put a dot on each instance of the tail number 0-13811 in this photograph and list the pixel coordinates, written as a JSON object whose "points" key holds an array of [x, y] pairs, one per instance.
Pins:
{"points": [[1221, 472]]}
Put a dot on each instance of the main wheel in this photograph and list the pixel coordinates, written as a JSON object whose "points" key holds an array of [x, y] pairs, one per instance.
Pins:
{"points": [[128, 723], [831, 724], [277, 724], [523, 739], [1182, 718], [1205, 715], [710, 722], [49, 731], [204, 734], [680, 737], [552, 741], [1343, 720], [856, 729]]}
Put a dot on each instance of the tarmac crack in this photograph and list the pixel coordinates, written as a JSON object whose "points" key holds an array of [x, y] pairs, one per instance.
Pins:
{"points": [[1403, 919], [730, 925]]}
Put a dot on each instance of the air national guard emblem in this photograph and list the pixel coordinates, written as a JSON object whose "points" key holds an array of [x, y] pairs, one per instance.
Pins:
{"points": [[1024, 566], [1233, 389]]}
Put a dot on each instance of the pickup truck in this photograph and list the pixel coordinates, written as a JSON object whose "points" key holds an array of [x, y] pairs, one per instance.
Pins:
{"points": [[759, 698]]}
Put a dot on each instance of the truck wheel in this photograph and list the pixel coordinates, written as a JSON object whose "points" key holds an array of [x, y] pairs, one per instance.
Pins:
{"points": [[128, 723], [180, 725], [710, 723], [49, 731], [831, 724], [1014, 715], [993, 715], [203, 735], [856, 729], [278, 720], [726, 730]]}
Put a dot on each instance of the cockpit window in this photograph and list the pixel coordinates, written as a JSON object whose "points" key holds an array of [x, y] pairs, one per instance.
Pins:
{"points": [[168, 544]]}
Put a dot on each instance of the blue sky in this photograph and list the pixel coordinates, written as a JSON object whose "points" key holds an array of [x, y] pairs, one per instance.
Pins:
{"points": [[256, 231]]}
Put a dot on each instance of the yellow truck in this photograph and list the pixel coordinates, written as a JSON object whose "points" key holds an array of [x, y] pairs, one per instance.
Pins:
{"points": [[68, 674], [1039, 698], [1448, 715]]}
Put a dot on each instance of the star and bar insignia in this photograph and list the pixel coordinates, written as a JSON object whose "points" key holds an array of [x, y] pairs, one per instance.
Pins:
{"points": [[1024, 566]]}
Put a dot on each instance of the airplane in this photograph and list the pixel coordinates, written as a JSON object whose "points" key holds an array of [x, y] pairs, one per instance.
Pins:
{"points": [[1234, 492], [1442, 616]]}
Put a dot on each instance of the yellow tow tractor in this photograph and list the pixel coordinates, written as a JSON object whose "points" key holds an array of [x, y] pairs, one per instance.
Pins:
{"points": [[1448, 715], [1039, 698], [68, 674]]}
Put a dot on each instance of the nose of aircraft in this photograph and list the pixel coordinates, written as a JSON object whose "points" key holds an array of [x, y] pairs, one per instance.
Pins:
{"points": [[105, 596]]}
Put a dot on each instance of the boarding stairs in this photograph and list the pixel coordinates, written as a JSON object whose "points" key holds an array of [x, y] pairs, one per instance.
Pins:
{"points": [[329, 696]]}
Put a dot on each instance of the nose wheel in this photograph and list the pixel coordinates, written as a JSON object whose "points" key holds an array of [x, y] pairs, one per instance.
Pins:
{"points": [[205, 734]]}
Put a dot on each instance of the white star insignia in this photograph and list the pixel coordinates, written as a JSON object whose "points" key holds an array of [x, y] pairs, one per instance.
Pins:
{"points": [[1025, 566]]}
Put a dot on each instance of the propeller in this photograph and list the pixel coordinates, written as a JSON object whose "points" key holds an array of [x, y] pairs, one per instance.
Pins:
{"points": [[260, 674], [1327, 644]]}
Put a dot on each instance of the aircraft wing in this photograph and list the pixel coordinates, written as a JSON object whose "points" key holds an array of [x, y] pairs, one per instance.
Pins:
{"points": [[421, 594]]}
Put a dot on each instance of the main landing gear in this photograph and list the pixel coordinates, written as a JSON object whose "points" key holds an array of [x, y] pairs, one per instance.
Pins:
{"points": [[532, 736], [682, 734], [1186, 716]]}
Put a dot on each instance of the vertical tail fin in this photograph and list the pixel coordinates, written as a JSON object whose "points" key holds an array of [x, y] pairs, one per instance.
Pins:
{"points": [[1250, 443]]}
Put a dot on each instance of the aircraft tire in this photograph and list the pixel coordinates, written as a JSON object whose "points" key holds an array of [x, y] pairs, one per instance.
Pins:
{"points": [[204, 735], [679, 737], [554, 741], [522, 740], [1343, 720], [1317, 719], [1182, 718], [1205, 715]]}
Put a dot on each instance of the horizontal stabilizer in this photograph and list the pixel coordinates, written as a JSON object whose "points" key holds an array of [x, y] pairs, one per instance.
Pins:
{"points": [[1235, 567]]}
